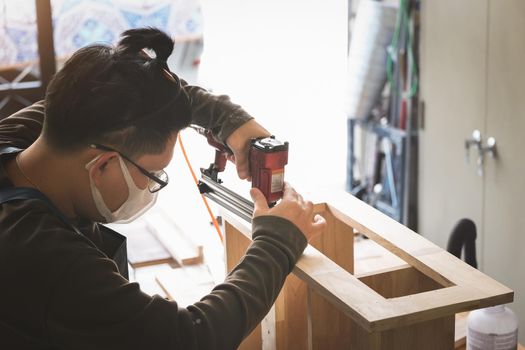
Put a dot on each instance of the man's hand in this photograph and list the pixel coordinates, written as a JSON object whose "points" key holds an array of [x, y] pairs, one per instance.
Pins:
{"points": [[239, 143], [293, 208]]}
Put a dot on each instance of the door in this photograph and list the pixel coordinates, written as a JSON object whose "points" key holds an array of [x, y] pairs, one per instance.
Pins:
{"points": [[473, 78], [453, 75], [504, 183]]}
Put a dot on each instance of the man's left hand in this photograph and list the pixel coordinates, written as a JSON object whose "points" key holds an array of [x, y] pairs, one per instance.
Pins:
{"points": [[239, 143]]}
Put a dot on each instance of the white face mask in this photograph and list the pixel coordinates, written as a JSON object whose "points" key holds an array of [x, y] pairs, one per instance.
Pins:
{"points": [[137, 203]]}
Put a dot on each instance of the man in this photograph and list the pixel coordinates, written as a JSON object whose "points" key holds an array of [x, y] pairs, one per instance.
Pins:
{"points": [[94, 151]]}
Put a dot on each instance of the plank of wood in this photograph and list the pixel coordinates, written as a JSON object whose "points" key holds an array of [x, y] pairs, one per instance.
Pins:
{"points": [[329, 327], [371, 258], [464, 282], [460, 330], [143, 247], [418, 252], [429, 335], [337, 241], [398, 282], [236, 244], [291, 313], [145, 277], [465, 287], [174, 239], [187, 284], [373, 261]]}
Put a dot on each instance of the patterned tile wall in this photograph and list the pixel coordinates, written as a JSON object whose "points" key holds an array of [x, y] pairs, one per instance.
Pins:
{"points": [[77, 23]]}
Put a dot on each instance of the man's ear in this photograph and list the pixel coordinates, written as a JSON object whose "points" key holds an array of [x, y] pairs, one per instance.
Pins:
{"points": [[98, 169]]}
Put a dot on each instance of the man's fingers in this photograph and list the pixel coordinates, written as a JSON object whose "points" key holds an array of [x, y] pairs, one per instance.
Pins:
{"points": [[239, 143], [241, 162], [259, 202], [288, 192], [309, 206]]}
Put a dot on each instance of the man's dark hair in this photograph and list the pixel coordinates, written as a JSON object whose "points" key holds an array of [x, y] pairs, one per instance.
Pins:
{"points": [[118, 96]]}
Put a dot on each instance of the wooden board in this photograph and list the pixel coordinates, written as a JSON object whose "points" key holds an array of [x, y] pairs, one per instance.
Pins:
{"points": [[370, 258], [186, 285], [460, 332], [237, 244], [146, 277], [399, 282], [422, 294], [291, 312], [329, 327], [437, 334], [174, 239], [144, 249]]}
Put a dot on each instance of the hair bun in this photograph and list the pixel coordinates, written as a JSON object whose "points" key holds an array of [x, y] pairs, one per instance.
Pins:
{"points": [[134, 40]]}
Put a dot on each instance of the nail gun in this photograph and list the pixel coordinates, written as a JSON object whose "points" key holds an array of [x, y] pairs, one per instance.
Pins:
{"points": [[267, 159]]}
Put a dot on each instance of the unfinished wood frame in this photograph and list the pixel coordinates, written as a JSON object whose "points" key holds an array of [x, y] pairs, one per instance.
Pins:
{"points": [[324, 305]]}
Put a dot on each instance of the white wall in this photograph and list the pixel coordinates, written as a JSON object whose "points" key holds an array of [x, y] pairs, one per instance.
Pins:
{"points": [[285, 63]]}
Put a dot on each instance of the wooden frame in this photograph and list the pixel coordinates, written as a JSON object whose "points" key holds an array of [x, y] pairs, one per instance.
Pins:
{"points": [[18, 88], [323, 305], [46, 47]]}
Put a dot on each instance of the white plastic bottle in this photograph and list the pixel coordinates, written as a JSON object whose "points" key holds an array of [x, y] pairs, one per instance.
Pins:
{"points": [[493, 328]]}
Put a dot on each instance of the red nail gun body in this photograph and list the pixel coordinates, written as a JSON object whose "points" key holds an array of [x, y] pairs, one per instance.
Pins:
{"points": [[267, 159]]}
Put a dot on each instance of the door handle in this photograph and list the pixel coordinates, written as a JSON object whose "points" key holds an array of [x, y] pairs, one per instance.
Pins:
{"points": [[489, 149], [474, 140]]}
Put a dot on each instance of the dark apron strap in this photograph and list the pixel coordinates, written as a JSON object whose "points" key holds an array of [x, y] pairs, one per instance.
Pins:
{"points": [[114, 243], [115, 247], [16, 193]]}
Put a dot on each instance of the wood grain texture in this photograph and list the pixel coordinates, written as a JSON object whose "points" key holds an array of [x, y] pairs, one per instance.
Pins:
{"points": [[436, 334], [291, 314], [399, 282], [236, 245], [329, 327], [398, 307]]}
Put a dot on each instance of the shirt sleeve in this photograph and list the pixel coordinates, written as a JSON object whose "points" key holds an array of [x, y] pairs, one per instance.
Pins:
{"points": [[215, 112], [22, 128], [93, 307]]}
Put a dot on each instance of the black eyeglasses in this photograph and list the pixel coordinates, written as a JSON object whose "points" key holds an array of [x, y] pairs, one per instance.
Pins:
{"points": [[158, 179]]}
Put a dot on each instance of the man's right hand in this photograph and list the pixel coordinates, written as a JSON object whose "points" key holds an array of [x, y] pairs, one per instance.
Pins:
{"points": [[293, 208]]}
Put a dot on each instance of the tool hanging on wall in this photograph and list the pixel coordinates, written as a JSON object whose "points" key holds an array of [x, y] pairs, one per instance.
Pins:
{"points": [[267, 159]]}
